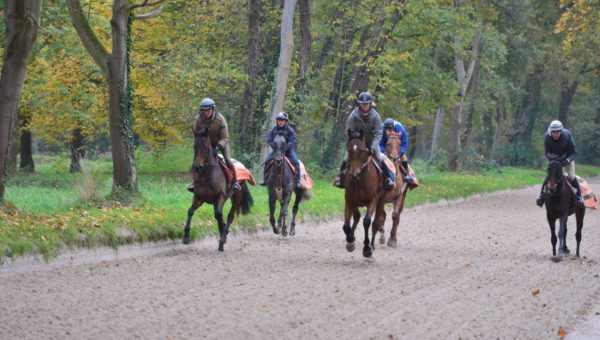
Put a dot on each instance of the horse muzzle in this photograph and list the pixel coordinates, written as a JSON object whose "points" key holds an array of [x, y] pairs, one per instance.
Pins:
{"points": [[197, 168]]}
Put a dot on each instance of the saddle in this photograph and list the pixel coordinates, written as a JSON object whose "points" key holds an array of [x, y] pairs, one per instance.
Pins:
{"points": [[287, 161], [242, 173], [306, 181]]}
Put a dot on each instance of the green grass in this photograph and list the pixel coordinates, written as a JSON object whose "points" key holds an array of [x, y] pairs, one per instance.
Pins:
{"points": [[53, 210]]}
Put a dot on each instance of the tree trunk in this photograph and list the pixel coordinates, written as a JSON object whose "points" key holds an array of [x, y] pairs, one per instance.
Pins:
{"points": [[566, 96], [305, 37], [412, 149], [437, 131], [466, 134], [77, 150], [13, 150], [26, 162], [527, 112], [22, 21], [246, 140], [500, 118], [283, 67], [116, 69]]}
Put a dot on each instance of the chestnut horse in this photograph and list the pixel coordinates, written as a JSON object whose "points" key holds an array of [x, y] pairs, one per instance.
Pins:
{"points": [[363, 186], [560, 203], [397, 196], [210, 186]]}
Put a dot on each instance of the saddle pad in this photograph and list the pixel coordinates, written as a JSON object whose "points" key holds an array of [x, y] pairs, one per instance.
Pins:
{"points": [[389, 163], [589, 199], [305, 181], [242, 173]]}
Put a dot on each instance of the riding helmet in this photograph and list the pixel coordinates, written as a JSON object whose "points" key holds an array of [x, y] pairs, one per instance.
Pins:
{"points": [[282, 115], [207, 103], [555, 125], [388, 122], [365, 98]]}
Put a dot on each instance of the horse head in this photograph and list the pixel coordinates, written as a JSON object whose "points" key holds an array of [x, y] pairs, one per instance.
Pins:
{"points": [[279, 148], [202, 150], [392, 147], [555, 176], [358, 153]]}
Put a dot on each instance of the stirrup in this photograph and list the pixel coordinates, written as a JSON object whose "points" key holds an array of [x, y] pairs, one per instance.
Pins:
{"points": [[539, 201], [338, 183], [235, 187], [389, 183]]}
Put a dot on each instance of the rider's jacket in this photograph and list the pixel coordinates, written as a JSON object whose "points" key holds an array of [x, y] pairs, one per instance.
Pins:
{"points": [[216, 126], [369, 123], [564, 147], [399, 129], [287, 131]]}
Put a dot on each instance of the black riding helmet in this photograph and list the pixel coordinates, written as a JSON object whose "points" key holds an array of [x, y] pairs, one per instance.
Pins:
{"points": [[364, 98], [388, 123]]}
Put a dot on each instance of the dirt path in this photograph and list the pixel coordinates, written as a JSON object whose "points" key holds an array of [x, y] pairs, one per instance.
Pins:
{"points": [[477, 268]]}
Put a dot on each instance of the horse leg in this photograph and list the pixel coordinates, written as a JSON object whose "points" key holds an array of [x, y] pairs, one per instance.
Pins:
{"points": [[272, 212], [283, 213], [367, 250], [579, 215], [298, 198], [552, 224], [381, 226], [377, 225], [219, 217], [562, 235], [196, 203], [398, 207], [348, 230], [236, 201]]}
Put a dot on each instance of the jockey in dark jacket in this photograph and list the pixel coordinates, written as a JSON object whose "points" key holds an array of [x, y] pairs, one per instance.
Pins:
{"points": [[283, 128], [559, 144]]}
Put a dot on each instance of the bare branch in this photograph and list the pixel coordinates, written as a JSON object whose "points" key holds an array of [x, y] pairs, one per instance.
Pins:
{"points": [[145, 3], [148, 15]]}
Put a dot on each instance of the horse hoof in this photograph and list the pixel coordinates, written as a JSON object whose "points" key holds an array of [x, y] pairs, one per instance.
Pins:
{"points": [[367, 252], [221, 247], [567, 251], [556, 259], [292, 231], [350, 247], [392, 243], [382, 239], [276, 231], [186, 240], [284, 232]]}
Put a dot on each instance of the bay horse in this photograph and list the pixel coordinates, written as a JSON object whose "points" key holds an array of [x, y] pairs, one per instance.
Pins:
{"points": [[397, 196], [560, 204], [280, 185], [210, 186], [363, 186]]}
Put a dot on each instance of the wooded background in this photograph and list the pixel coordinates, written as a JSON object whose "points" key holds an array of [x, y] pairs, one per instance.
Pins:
{"points": [[476, 83]]}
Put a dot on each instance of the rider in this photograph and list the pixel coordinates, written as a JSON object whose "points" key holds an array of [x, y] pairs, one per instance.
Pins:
{"points": [[558, 142], [390, 126], [216, 127], [366, 118], [283, 128]]}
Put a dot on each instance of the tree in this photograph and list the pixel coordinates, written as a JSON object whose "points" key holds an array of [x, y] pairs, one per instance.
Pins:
{"points": [[115, 66], [283, 68], [22, 20]]}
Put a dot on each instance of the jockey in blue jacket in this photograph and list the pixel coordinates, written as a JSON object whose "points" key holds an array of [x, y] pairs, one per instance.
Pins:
{"points": [[283, 128], [392, 126], [558, 143]]}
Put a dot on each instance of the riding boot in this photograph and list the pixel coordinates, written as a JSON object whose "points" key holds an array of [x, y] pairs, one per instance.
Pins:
{"points": [[190, 187], [578, 195], [235, 186], [297, 178], [540, 200], [339, 179], [407, 177], [390, 179]]}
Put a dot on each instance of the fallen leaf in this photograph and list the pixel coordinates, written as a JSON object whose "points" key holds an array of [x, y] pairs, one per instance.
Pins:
{"points": [[561, 332], [535, 292]]}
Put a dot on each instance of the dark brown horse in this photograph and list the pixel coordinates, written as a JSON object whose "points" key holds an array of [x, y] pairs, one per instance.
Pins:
{"points": [[363, 186], [397, 196], [210, 186], [560, 203]]}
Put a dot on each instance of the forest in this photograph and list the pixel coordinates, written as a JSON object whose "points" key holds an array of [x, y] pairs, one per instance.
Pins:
{"points": [[475, 83]]}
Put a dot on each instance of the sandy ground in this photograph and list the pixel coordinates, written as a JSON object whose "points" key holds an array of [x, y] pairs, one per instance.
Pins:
{"points": [[474, 268]]}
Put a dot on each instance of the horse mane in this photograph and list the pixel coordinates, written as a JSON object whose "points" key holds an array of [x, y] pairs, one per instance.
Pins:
{"points": [[355, 134]]}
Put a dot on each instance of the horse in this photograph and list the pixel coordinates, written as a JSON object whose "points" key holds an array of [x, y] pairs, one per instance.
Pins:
{"points": [[397, 196], [280, 185], [210, 186], [560, 204], [363, 186]]}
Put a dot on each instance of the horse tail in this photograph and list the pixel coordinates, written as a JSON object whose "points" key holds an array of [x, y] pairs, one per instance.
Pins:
{"points": [[247, 200]]}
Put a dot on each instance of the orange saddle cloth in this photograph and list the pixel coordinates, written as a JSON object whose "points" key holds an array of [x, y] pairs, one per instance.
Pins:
{"points": [[589, 199], [306, 181], [242, 173]]}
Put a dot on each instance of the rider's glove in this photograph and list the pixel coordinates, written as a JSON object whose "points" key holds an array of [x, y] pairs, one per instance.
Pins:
{"points": [[565, 162]]}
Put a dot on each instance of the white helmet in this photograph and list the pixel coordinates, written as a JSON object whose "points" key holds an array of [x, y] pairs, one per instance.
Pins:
{"points": [[555, 125]]}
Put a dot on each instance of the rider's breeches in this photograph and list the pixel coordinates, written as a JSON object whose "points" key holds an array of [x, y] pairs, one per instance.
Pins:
{"points": [[571, 170], [225, 151]]}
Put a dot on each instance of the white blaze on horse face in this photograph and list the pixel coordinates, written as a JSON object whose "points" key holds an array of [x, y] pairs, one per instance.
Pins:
{"points": [[354, 148]]}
